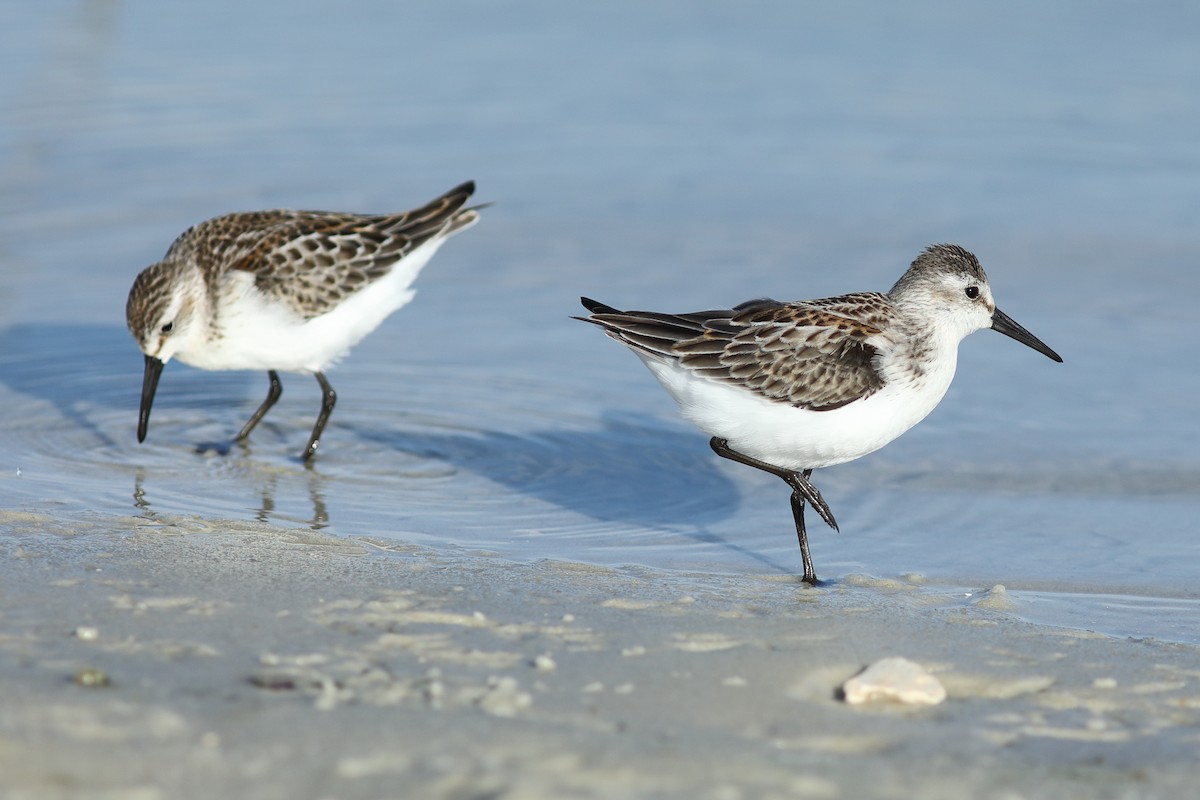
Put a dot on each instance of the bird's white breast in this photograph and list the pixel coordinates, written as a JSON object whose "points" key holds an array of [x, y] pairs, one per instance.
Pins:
{"points": [[256, 331], [794, 438]]}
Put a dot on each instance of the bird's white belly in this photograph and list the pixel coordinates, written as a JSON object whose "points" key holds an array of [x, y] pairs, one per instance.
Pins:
{"points": [[257, 332], [794, 438]]}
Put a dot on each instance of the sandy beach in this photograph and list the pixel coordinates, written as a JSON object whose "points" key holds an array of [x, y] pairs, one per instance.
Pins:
{"points": [[177, 657]]}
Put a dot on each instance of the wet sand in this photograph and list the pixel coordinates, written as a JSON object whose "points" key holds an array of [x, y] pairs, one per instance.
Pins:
{"points": [[178, 658]]}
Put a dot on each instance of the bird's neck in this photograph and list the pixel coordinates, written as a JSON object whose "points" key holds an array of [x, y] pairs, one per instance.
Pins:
{"points": [[925, 359]]}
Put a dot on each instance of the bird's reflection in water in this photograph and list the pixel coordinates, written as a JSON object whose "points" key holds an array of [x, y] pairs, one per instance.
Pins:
{"points": [[268, 510], [139, 494]]}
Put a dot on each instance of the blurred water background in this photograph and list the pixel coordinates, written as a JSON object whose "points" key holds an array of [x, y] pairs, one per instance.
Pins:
{"points": [[669, 155]]}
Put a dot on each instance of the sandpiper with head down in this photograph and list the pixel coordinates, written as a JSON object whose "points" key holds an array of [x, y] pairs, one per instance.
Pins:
{"points": [[283, 291], [791, 387]]}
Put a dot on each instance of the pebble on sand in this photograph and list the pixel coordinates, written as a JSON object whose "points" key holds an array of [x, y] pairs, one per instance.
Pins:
{"points": [[896, 679]]}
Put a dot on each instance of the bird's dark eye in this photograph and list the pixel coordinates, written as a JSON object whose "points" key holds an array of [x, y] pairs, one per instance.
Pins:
{"points": [[973, 292], [170, 326]]}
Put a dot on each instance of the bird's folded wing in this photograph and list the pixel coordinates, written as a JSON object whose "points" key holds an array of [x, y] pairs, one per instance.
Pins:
{"points": [[313, 260], [813, 355]]}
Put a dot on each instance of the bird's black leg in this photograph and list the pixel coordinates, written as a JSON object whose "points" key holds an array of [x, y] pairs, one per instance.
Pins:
{"points": [[273, 393], [799, 481], [721, 447], [328, 399], [802, 489], [810, 572]]}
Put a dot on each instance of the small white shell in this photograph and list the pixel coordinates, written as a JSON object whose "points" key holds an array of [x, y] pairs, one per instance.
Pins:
{"points": [[896, 679]]}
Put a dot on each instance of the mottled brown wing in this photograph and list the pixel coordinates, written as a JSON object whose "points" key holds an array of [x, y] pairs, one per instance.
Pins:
{"points": [[812, 355], [312, 260]]}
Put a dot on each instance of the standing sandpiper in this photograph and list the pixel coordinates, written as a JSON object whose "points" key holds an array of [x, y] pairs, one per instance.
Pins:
{"points": [[287, 291], [791, 387]]}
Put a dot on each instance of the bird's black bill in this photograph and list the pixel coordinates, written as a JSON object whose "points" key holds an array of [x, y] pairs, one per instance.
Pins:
{"points": [[1003, 323], [149, 386]]}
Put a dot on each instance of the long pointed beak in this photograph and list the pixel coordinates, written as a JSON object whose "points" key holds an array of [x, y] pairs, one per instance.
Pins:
{"points": [[149, 386], [1005, 324]]}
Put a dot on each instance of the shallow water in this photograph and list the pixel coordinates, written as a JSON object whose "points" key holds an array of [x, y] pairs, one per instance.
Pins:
{"points": [[674, 156]]}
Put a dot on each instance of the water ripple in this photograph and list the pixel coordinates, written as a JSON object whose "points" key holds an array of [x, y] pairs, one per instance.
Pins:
{"points": [[514, 463]]}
